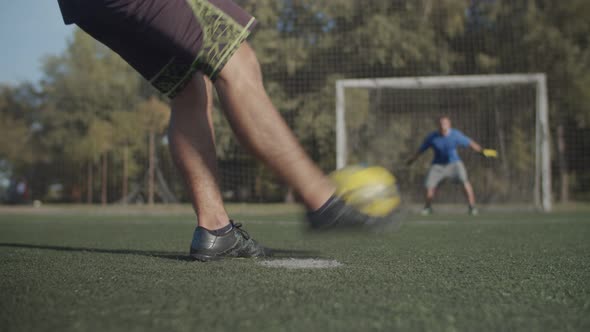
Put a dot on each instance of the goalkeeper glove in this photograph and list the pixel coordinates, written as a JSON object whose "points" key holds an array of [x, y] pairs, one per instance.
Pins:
{"points": [[489, 153]]}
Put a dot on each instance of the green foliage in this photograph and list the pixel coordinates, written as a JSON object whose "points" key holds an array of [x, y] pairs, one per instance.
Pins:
{"points": [[520, 151], [128, 137], [15, 139], [87, 108], [89, 100], [546, 36], [154, 115], [85, 84]]}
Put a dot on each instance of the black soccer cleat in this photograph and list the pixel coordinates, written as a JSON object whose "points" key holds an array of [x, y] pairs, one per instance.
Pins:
{"points": [[235, 243], [338, 215]]}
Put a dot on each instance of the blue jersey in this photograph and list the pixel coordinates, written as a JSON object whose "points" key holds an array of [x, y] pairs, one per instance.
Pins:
{"points": [[445, 147]]}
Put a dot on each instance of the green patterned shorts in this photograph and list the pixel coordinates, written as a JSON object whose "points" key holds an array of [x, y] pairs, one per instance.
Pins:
{"points": [[167, 41]]}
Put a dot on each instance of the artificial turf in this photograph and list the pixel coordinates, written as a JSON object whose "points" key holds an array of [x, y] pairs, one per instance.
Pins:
{"points": [[500, 272]]}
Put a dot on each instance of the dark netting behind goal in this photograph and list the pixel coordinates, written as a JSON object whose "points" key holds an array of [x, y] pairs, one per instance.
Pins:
{"points": [[81, 133], [385, 126]]}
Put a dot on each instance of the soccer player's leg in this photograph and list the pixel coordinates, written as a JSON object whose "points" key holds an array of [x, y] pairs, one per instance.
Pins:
{"points": [[433, 178], [193, 150], [161, 41], [233, 66], [460, 173], [192, 137], [192, 147], [260, 127], [468, 190], [428, 198]]}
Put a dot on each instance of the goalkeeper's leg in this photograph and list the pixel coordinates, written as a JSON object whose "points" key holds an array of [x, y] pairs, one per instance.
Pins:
{"points": [[430, 192], [435, 175], [468, 190], [460, 173], [470, 198], [428, 198]]}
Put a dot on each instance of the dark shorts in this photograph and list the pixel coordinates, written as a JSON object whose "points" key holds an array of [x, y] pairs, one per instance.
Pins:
{"points": [[166, 41]]}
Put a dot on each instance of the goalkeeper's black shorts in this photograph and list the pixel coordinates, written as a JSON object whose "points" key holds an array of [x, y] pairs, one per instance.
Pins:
{"points": [[166, 41]]}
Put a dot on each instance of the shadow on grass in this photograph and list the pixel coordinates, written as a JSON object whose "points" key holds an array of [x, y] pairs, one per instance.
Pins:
{"points": [[277, 253]]}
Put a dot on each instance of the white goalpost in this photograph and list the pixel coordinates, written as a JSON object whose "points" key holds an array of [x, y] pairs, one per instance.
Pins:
{"points": [[505, 109]]}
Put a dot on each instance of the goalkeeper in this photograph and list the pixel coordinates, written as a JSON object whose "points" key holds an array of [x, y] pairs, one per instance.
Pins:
{"points": [[446, 163]]}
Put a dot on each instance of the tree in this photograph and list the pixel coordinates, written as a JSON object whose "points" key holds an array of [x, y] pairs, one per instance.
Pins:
{"points": [[127, 136], [91, 148], [14, 146], [155, 115], [540, 36], [81, 88], [100, 141], [304, 46]]}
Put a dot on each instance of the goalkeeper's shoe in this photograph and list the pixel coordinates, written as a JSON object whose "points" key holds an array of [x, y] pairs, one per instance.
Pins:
{"points": [[336, 214], [427, 211], [235, 243]]}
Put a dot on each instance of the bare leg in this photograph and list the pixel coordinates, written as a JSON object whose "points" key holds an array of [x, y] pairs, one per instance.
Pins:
{"points": [[261, 128], [430, 192], [193, 149], [468, 189]]}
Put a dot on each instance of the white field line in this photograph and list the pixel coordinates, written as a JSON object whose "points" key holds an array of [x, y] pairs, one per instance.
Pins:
{"points": [[301, 263]]}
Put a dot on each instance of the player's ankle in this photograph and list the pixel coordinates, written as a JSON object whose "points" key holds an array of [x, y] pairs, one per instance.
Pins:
{"points": [[214, 222], [317, 199], [220, 231]]}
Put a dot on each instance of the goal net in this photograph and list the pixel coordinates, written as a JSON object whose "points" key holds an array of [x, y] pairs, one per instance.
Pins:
{"points": [[383, 122]]}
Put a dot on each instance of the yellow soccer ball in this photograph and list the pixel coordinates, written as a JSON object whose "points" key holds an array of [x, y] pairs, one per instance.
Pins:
{"points": [[372, 190]]}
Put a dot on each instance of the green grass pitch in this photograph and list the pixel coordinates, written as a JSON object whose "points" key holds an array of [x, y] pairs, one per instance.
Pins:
{"points": [[496, 272]]}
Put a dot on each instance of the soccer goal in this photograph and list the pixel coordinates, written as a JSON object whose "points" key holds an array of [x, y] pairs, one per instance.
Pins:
{"points": [[384, 120]]}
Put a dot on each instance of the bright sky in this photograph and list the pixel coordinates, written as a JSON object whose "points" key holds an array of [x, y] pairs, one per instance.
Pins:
{"points": [[29, 30]]}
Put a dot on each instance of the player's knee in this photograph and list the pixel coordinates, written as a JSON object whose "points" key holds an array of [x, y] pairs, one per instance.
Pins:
{"points": [[194, 94], [430, 192], [243, 66]]}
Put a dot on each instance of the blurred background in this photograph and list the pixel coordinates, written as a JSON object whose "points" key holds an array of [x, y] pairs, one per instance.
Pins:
{"points": [[77, 125]]}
